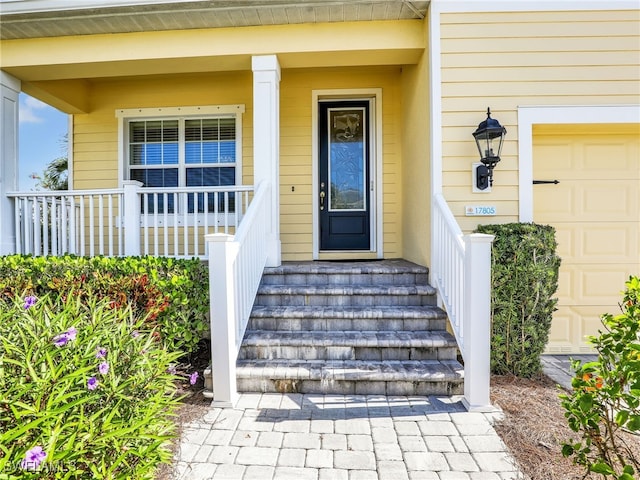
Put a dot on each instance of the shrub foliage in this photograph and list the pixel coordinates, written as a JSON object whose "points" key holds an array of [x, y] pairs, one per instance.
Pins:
{"points": [[524, 279], [606, 394], [170, 293], [85, 391]]}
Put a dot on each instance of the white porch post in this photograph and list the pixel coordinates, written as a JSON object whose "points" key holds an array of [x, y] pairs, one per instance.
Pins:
{"points": [[266, 143], [477, 322], [131, 217], [9, 90], [222, 254]]}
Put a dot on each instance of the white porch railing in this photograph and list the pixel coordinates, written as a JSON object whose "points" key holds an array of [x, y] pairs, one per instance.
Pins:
{"points": [[79, 222], [461, 272], [236, 263], [132, 220]]}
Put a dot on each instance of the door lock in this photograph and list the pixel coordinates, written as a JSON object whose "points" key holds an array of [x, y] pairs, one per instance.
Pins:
{"points": [[322, 195]]}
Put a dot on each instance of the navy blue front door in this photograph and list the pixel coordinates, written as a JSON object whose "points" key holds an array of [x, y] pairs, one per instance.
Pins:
{"points": [[344, 175]]}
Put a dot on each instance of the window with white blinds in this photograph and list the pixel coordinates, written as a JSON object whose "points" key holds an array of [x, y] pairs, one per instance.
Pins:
{"points": [[184, 151]]}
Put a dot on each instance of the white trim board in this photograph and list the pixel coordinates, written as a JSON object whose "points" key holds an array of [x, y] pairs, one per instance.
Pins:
{"points": [[476, 6], [125, 114], [377, 213], [558, 115]]}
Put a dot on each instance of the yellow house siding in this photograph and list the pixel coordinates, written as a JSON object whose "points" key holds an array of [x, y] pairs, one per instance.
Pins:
{"points": [[416, 166], [95, 151], [511, 59], [296, 125], [95, 134]]}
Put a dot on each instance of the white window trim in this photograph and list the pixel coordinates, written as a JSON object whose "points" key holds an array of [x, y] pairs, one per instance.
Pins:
{"points": [[374, 95], [163, 113]]}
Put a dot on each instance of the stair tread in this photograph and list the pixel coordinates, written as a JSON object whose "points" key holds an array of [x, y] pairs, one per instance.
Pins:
{"points": [[382, 339], [352, 370], [348, 312], [394, 266], [274, 289]]}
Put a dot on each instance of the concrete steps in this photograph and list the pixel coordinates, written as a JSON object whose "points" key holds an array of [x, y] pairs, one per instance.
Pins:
{"points": [[348, 328]]}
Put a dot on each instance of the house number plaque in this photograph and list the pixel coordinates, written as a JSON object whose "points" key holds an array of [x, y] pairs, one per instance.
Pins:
{"points": [[480, 210]]}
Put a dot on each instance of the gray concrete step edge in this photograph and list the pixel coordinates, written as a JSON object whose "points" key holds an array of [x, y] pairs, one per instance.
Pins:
{"points": [[393, 266], [346, 290], [352, 370], [347, 312], [371, 339]]}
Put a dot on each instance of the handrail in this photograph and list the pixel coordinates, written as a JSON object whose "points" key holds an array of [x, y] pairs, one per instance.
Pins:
{"points": [[461, 273], [448, 265], [66, 193], [236, 264]]}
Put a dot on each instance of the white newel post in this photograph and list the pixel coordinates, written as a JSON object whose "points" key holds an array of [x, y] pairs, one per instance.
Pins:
{"points": [[9, 106], [477, 322], [266, 143], [131, 217], [224, 250]]}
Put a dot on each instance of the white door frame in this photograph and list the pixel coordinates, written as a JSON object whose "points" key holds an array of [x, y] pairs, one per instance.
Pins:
{"points": [[557, 115], [374, 95]]}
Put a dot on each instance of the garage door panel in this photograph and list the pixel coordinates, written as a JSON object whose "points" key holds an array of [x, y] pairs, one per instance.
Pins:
{"points": [[595, 159], [597, 201], [566, 284], [599, 285], [561, 333], [555, 204], [594, 286], [565, 240], [571, 327], [616, 156], [553, 156], [601, 242], [590, 323], [605, 243], [613, 200], [595, 210]]}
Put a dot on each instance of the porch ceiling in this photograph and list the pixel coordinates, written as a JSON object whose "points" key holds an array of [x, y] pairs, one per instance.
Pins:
{"points": [[20, 19]]}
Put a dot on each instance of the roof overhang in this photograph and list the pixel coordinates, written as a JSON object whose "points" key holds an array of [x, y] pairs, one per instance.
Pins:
{"points": [[21, 19]]}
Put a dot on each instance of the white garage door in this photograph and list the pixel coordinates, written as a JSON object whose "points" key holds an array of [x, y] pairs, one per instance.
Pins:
{"points": [[596, 212]]}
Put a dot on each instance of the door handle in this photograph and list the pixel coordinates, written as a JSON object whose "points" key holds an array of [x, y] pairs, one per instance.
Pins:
{"points": [[322, 195]]}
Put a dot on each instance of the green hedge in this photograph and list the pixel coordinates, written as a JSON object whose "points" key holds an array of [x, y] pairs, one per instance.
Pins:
{"points": [[172, 293], [524, 279]]}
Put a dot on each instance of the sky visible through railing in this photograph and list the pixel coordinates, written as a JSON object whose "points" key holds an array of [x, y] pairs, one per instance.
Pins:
{"points": [[41, 134]]}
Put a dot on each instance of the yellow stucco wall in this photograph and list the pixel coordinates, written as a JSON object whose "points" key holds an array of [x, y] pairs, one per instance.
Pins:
{"points": [[506, 60]]}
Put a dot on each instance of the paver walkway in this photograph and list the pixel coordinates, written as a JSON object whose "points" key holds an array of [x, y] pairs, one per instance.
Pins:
{"points": [[558, 367], [343, 437]]}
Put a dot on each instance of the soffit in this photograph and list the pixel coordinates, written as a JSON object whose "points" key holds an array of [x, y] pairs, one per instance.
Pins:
{"points": [[50, 18]]}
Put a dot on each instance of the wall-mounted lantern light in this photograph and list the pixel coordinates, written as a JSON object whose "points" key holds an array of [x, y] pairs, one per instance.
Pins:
{"points": [[489, 137]]}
